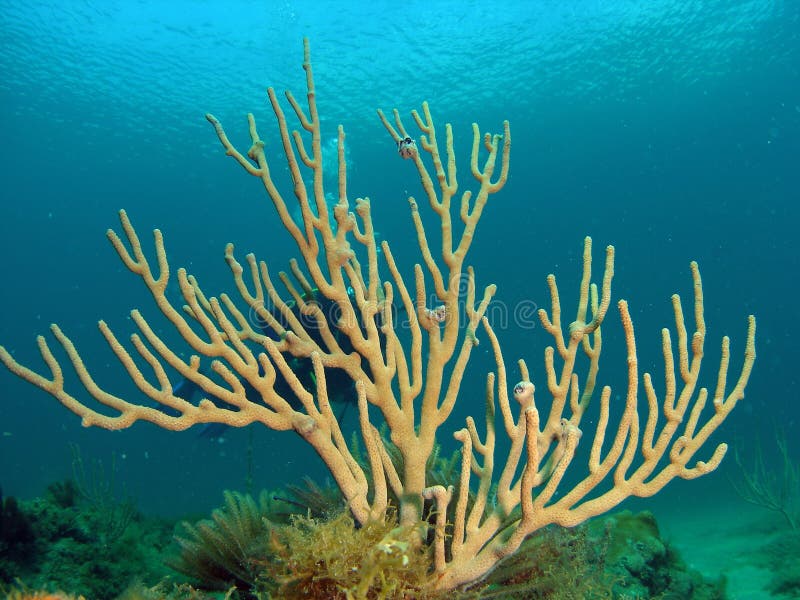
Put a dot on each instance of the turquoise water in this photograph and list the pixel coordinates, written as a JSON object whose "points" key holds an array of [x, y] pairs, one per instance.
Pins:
{"points": [[669, 129]]}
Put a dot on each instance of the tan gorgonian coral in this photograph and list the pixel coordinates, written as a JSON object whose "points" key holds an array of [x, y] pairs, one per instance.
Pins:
{"points": [[410, 377]]}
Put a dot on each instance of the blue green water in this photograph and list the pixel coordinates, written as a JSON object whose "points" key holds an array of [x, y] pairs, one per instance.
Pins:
{"points": [[670, 129]]}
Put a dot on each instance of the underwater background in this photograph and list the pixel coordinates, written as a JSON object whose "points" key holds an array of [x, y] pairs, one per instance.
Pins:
{"points": [[670, 129]]}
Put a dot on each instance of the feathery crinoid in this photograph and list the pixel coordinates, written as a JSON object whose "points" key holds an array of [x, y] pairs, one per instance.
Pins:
{"points": [[225, 552]]}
